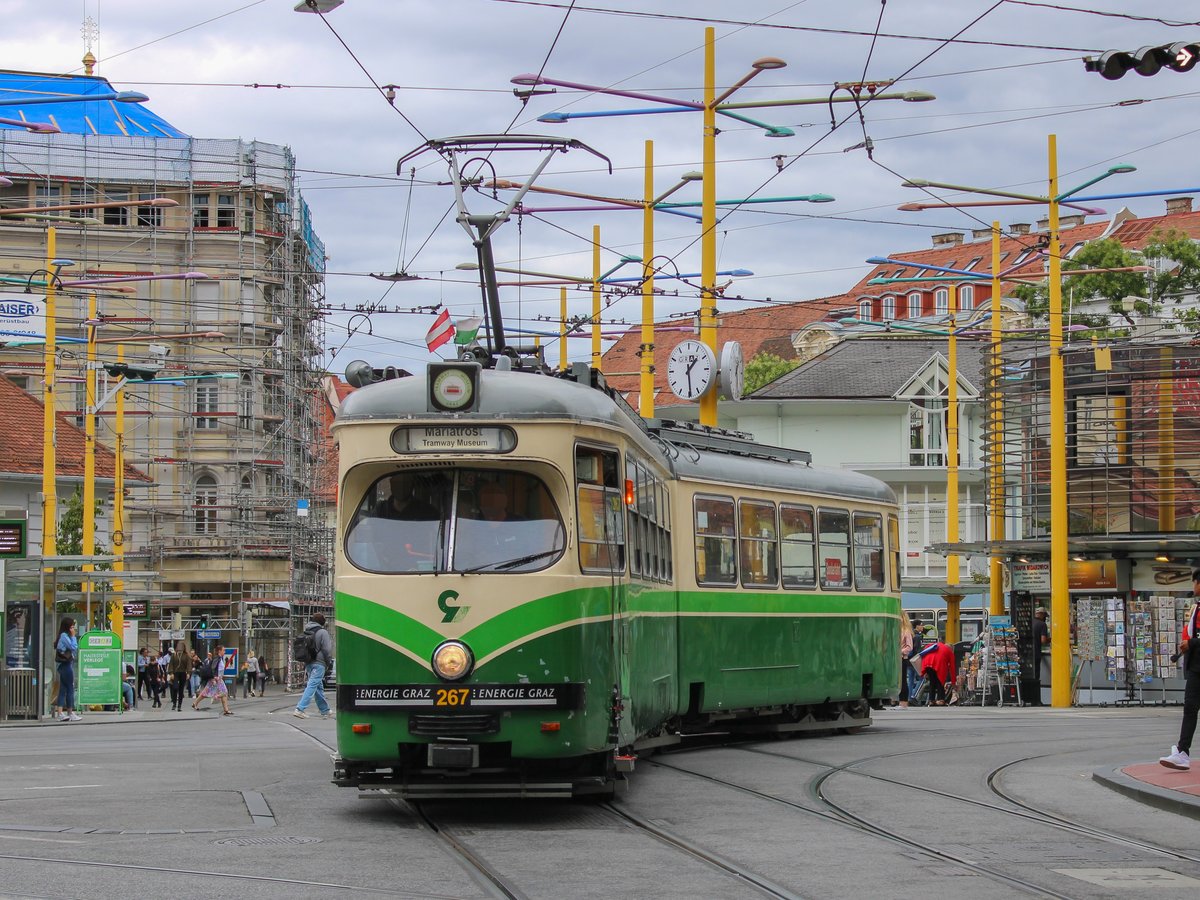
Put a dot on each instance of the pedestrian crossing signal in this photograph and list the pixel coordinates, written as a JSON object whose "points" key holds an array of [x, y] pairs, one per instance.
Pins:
{"points": [[1179, 57]]}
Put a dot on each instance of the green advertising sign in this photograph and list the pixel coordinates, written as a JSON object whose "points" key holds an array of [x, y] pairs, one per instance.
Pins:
{"points": [[99, 668]]}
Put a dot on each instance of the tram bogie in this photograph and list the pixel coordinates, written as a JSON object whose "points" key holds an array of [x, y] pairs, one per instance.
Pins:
{"points": [[537, 586]]}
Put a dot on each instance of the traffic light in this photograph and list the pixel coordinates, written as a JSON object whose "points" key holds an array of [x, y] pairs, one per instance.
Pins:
{"points": [[203, 621], [1181, 57], [131, 373]]}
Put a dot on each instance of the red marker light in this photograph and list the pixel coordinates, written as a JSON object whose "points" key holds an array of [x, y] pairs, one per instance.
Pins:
{"points": [[548, 727], [629, 493], [361, 728]]}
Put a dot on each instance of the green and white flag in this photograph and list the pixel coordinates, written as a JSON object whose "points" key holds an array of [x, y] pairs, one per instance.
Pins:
{"points": [[466, 329]]}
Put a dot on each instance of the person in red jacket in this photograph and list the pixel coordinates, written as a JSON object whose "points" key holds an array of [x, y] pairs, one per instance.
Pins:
{"points": [[938, 667], [1189, 649]]}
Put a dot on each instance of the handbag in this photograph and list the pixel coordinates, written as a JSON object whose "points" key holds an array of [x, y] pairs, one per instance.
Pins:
{"points": [[63, 656]]}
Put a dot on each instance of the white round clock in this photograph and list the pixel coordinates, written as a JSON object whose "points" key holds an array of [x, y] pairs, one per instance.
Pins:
{"points": [[733, 370], [691, 369]]}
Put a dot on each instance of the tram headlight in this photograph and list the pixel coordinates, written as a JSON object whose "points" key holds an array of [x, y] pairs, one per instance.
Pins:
{"points": [[452, 660]]}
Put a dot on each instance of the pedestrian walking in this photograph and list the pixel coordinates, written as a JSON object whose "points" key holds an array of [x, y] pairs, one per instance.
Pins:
{"points": [[315, 649], [264, 675], [154, 680], [194, 681], [215, 689], [1189, 649], [906, 650], [142, 659], [180, 672], [66, 651], [251, 674]]}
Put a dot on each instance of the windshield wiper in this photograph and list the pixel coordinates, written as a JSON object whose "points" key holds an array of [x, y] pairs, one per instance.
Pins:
{"points": [[512, 563]]}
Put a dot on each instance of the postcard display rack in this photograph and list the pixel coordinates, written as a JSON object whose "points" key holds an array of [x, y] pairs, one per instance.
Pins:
{"points": [[991, 671], [1134, 639]]}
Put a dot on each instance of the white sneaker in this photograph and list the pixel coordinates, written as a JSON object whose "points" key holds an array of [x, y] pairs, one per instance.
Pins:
{"points": [[299, 715], [1177, 760], [75, 717], [62, 717], [327, 715]]}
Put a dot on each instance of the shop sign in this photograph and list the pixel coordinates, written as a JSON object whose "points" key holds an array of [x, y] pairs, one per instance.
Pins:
{"points": [[1030, 576], [135, 609], [1091, 575]]}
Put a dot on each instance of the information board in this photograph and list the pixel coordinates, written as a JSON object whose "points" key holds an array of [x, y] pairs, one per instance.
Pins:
{"points": [[99, 669]]}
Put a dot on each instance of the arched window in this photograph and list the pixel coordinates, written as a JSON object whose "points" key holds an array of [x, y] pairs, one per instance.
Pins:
{"points": [[914, 305], [206, 505], [941, 301], [966, 297], [864, 310], [889, 308]]}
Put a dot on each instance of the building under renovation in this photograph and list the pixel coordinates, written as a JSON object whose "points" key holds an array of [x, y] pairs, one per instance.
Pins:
{"points": [[223, 406]]}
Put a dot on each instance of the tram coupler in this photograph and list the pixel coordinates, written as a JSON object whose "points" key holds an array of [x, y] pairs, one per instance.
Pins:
{"points": [[624, 762]]}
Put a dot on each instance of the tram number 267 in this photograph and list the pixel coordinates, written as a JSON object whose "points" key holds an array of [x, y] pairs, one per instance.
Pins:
{"points": [[450, 696]]}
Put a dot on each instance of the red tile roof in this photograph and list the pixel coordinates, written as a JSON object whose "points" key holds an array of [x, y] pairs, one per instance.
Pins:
{"points": [[21, 441]]}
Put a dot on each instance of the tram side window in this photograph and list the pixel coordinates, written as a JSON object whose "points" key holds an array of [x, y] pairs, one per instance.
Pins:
{"points": [[716, 541], [663, 532], [601, 519], [798, 546], [759, 550], [868, 551], [833, 531]]}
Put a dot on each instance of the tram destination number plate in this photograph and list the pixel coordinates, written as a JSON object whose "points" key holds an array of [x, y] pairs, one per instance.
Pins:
{"points": [[456, 696]]}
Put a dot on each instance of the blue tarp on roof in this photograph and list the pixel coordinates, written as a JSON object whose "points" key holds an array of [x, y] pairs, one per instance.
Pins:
{"points": [[77, 116]]}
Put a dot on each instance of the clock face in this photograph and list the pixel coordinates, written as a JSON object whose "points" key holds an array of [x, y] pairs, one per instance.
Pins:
{"points": [[733, 370], [690, 370], [452, 389]]}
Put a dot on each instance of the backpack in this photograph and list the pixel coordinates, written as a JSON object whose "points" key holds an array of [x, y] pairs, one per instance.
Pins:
{"points": [[304, 648], [206, 670]]}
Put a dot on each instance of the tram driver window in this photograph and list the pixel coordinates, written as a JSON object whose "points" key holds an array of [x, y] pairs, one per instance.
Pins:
{"points": [[398, 526], [601, 502], [833, 531], [716, 540]]}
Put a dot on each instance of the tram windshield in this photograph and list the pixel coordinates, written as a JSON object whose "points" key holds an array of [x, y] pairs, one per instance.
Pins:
{"points": [[456, 520]]}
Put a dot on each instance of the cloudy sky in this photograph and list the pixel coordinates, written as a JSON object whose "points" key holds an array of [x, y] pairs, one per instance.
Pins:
{"points": [[1006, 74]]}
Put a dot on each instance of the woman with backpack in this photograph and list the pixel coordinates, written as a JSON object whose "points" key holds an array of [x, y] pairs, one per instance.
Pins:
{"points": [[215, 689], [180, 670]]}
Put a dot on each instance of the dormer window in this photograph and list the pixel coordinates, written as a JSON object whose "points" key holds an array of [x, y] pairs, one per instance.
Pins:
{"points": [[966, 297], [914, 305], [889, 308], [864, 310], [941, 301]]}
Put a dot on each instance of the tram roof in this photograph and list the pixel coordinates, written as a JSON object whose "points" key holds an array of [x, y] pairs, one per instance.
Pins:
{"points": [[790, 476], [502, 395]]}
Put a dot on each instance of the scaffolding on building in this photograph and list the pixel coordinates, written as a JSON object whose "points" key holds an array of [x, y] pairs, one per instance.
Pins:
{"points": [[239, 510]]}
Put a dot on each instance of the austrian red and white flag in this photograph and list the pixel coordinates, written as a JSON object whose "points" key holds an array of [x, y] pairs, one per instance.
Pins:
{"points": [[442, 331]]}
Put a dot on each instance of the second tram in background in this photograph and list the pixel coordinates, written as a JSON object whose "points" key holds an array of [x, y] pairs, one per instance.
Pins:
{"points": [[534, 584]]}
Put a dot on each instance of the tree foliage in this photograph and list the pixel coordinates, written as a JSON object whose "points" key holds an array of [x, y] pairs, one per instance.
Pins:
{"points": [[1175, 261], [763, 368], [70, 526]]}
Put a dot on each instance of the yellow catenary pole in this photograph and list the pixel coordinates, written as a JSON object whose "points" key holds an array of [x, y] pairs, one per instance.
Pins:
{"points": [[562, 329], [708, 223], [953, 597], [1060, 606], [646, 400], [49, 462], [596, 358], [996, 575], [89, 451], [118, 517]]}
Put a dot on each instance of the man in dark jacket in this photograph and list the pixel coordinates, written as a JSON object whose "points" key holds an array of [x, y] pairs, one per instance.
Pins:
{"points": [[315, 670]]}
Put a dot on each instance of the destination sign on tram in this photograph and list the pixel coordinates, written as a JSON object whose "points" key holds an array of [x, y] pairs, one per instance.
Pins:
{"points": [[463, 438], [435, 696]]}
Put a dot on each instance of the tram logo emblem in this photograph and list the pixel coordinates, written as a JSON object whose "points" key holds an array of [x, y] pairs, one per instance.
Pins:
{"points": [[451, 613]]}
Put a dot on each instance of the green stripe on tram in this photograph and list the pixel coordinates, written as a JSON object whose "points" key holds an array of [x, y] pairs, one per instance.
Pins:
{"points": [[561, 610]]}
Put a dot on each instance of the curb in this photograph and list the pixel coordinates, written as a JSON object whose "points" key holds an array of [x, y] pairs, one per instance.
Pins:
{"points": [[1152, 795]]}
